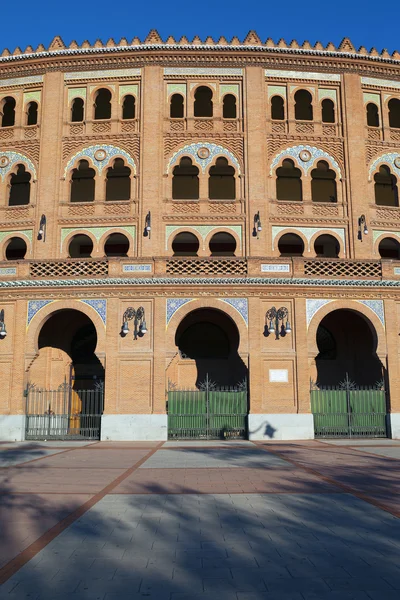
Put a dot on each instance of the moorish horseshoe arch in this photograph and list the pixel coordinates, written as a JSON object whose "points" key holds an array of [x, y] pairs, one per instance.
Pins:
{"points": [[390, 158], [10, 158], [305, 157], [100, 156], [213, 304], [211, 152], [373, 321], [39, 319]]}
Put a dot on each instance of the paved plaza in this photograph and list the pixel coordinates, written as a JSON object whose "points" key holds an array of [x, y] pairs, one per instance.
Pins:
{"points": [[203, 520]]}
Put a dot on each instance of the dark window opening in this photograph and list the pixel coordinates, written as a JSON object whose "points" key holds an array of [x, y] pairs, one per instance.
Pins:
{"points": [[291, 244], [118, 183], [176, 110], [81, 246], [221, 182], [16, 249], [326, 246], [386, 191], [32, 113], [20, 187], [129, 107], [222, 244], [394, 113], [8, 112], [372, 115], [303, 110], [203, 105], [185, 244], [323, 183], [229, 107], [389, 248], [83, 183], [102, 106], [328, 111], [185, 180], [277, 108], [77, 110], [288, 182], [117, 244]]}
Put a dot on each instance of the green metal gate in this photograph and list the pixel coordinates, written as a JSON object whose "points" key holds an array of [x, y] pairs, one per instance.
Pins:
{"points": [[348, 410], [64, 413], [208, 413]]}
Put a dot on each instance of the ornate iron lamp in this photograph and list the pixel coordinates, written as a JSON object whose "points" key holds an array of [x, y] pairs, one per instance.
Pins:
{"points": [[257, 227], [139, 322], [42, 228], [147, 225], [273, 318], [3, 331], [362, 227]]}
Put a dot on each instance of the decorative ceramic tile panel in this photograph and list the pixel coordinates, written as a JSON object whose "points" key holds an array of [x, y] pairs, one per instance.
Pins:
{"points": [[97, 232], [8, 271], [275, 268], [76, 93], [100, 306], [137, 268], [203, 230], [377, 307], [302, 75], [239, 304], [327, 93], [108, 74], [21, 81], [277, 90], [295, 152], [25, 232], [370, 97], [100, 156], [33, 308], [32, 96], [391, 158], [232, 88], [309, 232], [174, 304], [128, 89], [380, 82], [376, 234], [293, 88], [312, 307], [9, 158], [212, 85], [211, 150], [176, 88], [110, 86], [201, 71]]}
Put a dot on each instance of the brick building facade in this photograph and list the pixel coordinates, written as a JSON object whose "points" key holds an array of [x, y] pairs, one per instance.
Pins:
{"points": [[206, 183]]}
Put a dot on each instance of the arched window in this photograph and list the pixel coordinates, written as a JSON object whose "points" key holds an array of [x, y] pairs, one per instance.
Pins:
{"points": [[8, 112], [229, 107], [81, 246], [185, 181], [77, 110], [328, 111], [386, 192], [176, 107], [203, 105], [291, 244], [394, 113], [32, 113], [303, 110], [323, 183], [20, 187], [15, 249], [326, 246], [372, 115], [221, 182], [117, 244], [185, 244], [83, 183], [222, 244], [277, 108], [102, 104], [118, 183], [288, 182], [129, 107], [389, 248]]}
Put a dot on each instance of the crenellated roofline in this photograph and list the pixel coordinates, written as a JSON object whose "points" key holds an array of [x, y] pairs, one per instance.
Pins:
{"points": [[153, 41]]}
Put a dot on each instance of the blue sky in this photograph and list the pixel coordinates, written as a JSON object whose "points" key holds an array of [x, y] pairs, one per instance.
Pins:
{"points": [[313, 20]]}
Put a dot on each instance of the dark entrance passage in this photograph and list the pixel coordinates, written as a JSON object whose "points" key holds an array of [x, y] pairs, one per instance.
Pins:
{"points": [[349, 398], [67, 400], [211, 400]]}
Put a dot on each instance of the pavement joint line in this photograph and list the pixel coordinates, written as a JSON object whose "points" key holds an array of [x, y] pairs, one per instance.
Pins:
{"points": [[26, 555], [346, 488], [363, 452], [28, 462]]}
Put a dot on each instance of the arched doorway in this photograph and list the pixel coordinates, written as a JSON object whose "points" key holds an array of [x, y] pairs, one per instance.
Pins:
{"points": [[66, 380], [348, 397], [210, 401]]}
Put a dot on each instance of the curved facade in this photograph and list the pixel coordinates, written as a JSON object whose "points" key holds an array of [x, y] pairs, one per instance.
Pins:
{"points": [[205, 182]]}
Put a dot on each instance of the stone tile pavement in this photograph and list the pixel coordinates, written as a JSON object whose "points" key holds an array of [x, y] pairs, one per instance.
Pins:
{"points": [[197, 525]]}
